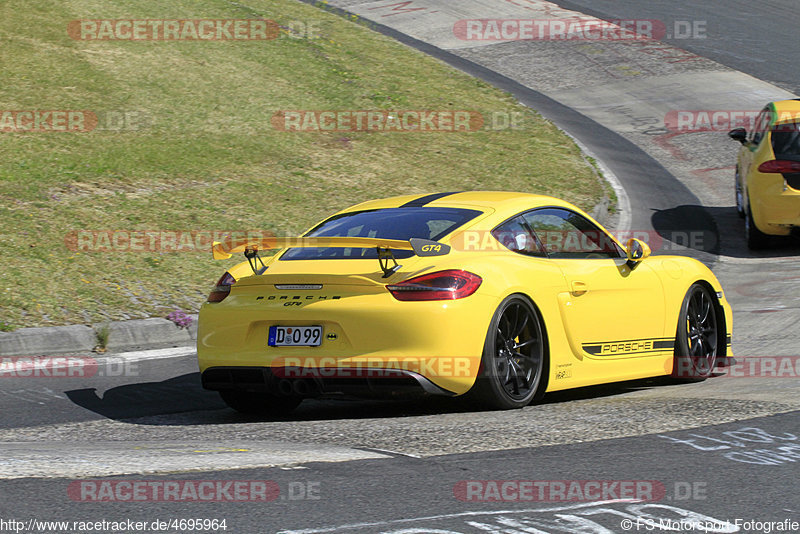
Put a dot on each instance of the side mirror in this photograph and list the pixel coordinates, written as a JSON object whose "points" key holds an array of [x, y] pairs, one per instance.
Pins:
{"points": [[738, 134], [637, 251]]}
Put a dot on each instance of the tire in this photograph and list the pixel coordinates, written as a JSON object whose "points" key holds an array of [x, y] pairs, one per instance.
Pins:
{"points": [[756, 239], [514, 364], [697, 337], [259, 403], [739, 196]]}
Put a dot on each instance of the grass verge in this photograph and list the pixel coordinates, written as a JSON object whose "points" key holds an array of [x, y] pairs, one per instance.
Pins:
{"points": [[200, 153]]}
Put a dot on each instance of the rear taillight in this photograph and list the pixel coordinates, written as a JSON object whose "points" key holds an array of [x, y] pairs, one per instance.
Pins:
{"points": [[222, 289], [780, 166], [442, 285]]}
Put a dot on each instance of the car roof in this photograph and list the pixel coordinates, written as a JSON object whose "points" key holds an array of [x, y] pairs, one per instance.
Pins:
{"points": [[500, 201], [787, 110]]}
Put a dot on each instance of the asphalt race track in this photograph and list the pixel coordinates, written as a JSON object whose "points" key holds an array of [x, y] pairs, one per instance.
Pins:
{"points": [[736, 35], [721, 454]]}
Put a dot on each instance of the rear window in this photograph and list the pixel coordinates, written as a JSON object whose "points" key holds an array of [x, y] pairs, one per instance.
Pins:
{"points": [[786, 140], [390, 223]]}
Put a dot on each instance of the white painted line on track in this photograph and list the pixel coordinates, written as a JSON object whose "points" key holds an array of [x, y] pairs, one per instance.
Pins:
{"points": [[154, 354], [478, 513], [71, 459]]}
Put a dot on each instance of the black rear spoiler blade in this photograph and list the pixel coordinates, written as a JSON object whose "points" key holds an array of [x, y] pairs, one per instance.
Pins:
{"points": [[223, 250]]}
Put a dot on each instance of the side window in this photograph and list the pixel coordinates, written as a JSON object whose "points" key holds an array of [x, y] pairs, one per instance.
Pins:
{"points": [[515, 235], [566, 234], [761, 126]]}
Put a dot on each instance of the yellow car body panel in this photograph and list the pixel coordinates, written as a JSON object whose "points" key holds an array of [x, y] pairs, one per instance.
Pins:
{"points": [[773, 203], [604, 321]]}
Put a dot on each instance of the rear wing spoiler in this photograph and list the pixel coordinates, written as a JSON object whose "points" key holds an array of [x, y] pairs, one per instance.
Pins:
{"points": [[222, 250]]}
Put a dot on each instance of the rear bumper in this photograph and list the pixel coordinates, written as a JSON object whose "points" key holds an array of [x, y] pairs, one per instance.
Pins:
{"points": [[440, 341], [775, 207], [371, 382]]}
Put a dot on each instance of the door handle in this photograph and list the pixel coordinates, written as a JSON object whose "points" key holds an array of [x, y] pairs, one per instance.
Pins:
{"points": [[579, 288]]}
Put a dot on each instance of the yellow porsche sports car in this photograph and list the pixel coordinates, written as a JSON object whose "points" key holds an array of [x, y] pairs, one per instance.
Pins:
{"points": [[498, 296], [768, 173]]}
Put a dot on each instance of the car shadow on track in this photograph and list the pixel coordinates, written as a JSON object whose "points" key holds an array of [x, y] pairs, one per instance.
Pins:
{"points": [[182, 401], [696, 230], [179, 394]]}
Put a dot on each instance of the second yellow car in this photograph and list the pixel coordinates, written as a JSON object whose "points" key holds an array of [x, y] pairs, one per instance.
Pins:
{"points": [[768, 173]]}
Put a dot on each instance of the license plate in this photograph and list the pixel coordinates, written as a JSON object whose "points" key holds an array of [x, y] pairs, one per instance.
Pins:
{"points": [[295, 336]]}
